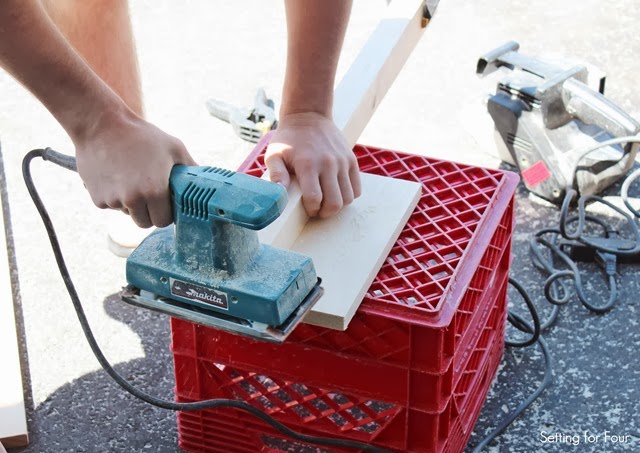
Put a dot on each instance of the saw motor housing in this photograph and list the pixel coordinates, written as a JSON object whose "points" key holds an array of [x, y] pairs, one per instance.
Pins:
{"points": [[547, 117]]}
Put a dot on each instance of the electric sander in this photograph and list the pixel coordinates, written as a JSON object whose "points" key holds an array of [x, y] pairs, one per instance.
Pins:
{"points": [[210, 268]]}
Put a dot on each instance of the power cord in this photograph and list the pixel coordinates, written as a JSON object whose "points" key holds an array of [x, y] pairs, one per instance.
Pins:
{"points": [[69, 163], [629, 247], [556, 290], [535, 331], [571, 242], [568, 245]]}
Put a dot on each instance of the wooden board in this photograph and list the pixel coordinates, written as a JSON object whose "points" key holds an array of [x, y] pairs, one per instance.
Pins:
{"points": [[13, 422], [372, 73], [349, 249]]}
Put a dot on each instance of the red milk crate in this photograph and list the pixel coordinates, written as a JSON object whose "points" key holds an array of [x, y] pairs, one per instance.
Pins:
{"points": [[411, 371], [233, 430]]}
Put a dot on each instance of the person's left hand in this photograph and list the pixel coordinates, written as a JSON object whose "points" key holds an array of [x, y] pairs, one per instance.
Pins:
{"points": [[311, 147]]}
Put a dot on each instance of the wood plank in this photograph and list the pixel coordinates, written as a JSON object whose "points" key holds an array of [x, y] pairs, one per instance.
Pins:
{"points": [[362, 233], [13, 422], [371, 74], [355, 100], [349, 248]]}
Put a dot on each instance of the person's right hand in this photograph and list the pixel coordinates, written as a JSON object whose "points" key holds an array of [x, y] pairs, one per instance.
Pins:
{"points": [[125, 163]]}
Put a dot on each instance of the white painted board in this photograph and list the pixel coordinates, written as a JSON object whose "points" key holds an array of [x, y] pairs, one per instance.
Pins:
{"points": [[13, 422]]}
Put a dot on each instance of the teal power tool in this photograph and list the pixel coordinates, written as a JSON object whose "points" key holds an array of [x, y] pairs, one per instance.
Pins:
{"points": [[211, 269], [212, 207]]}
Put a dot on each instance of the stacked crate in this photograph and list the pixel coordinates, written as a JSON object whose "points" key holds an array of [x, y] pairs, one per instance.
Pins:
{"points": [[414, 366]]}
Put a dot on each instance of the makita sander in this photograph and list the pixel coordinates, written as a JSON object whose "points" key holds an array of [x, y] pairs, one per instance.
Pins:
{"points": [[210, 268]]}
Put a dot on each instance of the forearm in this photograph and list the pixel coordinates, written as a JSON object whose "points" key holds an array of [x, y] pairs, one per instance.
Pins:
{"points": [[316, 30], [38, 56]]}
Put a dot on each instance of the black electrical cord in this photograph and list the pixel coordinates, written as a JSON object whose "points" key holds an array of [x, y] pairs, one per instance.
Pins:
{"points": [[561, 292], [69, 163], [535, 331], [556, 289], [549, 245], [628, 247], [515, 320], [556, 275], [631, 247], [604, 249]]}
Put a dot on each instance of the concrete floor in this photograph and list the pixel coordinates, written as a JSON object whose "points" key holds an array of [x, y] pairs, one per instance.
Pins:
{"points": [[194, 50]]}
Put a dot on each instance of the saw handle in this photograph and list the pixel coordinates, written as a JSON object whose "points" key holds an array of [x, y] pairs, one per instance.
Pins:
{"points": [[592, 107]]}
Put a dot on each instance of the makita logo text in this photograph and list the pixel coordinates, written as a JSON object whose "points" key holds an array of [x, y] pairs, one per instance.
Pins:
{"points": [[204, 296], [199, 293]]}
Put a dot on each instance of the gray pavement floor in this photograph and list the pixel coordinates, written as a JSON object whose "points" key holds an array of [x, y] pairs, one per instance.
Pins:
{"points": [[190, 51]]}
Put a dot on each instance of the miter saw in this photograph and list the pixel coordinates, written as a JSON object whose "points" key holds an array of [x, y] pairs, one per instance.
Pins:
{"points": [[554, 127]]}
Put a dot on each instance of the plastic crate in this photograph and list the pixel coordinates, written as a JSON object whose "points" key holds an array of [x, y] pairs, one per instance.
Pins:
{"points": [[413, 367], [334, 412]]}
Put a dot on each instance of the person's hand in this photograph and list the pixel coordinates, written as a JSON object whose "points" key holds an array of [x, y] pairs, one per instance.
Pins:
{"points": [[125, 164], [311, 147]]}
